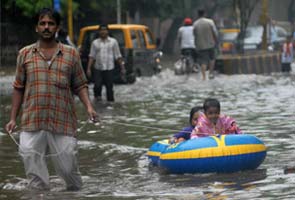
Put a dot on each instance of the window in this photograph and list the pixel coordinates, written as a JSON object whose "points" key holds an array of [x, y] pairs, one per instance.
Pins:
{"points": [[141, 39], [89, 37], [134, 39], [150, 38], [119, 36]]}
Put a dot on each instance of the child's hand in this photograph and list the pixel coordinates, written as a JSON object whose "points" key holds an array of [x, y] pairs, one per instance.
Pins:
{"points": [[233, 128], [181, 139], [175, 140], [172, 140], [195, 133]]}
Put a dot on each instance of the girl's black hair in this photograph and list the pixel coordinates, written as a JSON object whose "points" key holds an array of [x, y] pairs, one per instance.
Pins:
{"points": [[193, 111], [47, 11], [210, 102]]}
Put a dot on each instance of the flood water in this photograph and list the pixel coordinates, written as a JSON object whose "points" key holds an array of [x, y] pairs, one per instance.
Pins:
{"points": [[113, 158]]}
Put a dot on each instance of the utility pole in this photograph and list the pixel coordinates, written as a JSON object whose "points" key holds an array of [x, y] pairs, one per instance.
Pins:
{"points": [[264, 20], [118, 11], [70, 20]]}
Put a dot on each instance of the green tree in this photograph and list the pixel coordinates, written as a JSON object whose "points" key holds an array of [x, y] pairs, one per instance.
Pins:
{"points": [[28, 8]]}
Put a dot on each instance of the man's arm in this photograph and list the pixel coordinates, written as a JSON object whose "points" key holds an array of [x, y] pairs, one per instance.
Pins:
{"points": [[178, 38], [91, 58], [214, 32], [89, 65], [118, 57], [17, 98]]}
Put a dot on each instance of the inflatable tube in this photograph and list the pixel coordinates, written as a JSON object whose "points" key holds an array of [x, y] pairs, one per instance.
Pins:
{"points": [[156, 149], [224, 153]]}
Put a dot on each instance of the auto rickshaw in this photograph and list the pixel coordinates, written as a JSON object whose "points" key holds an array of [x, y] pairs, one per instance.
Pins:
{"points": [[137, 45]]}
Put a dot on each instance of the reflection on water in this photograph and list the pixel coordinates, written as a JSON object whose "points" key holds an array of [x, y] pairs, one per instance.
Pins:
{"points": [[113, 158]]}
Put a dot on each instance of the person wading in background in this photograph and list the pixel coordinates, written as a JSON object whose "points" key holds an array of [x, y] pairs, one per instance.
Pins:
{"points": [[103, 52], [206, 35]]}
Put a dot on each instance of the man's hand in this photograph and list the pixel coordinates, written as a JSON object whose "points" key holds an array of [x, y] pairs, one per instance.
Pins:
{"points": [[93, 116], [88, 73], [10, 126], [123, 70]]}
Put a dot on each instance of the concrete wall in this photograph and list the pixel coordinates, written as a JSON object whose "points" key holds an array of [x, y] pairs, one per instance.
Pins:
{"points": [[260, 63]]}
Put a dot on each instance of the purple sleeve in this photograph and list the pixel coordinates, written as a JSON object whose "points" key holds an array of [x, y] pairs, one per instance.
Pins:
{"points": [[185, 133]]}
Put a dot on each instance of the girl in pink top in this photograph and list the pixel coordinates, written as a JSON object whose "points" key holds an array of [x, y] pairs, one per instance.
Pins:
{"points": [[211, 122]]}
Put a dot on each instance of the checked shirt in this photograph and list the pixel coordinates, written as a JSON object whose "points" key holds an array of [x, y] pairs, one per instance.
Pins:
{"points": [[48, 102]]}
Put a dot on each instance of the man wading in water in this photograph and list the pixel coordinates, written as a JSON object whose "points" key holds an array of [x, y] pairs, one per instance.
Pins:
{"points": [[47, 74]]}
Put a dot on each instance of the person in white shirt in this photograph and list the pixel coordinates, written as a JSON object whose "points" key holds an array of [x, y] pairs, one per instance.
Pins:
{"points": [[103, 52], [186, 40]]}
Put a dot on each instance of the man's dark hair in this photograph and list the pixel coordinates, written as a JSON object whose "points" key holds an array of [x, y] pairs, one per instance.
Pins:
{"points": [[51, 13], [103, 27], [201, 12]]}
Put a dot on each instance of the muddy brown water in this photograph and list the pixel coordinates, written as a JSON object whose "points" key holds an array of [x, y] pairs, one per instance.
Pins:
{"points": [[113, 158]]}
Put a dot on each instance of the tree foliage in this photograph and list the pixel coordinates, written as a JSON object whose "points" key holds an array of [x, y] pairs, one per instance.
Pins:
{"points": [[161, 8], [29, 7], [148, 8]]}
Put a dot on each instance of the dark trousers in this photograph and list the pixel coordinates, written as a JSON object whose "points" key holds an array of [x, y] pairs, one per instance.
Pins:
{"points": [[101, 78], [189, 52]]}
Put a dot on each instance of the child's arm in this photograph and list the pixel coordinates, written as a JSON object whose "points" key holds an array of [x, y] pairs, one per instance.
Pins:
{"points": [[182, 135], [234, 129], [194, 133]]}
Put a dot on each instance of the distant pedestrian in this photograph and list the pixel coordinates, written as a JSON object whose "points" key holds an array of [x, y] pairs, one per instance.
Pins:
{"points": [[48, 74], [104, 52], [206, 41], [63, 37], [287, 55], [185, 37], [186, 40]]}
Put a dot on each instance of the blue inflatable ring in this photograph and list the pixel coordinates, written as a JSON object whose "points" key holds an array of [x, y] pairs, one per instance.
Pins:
{"points": [[222, 154]]}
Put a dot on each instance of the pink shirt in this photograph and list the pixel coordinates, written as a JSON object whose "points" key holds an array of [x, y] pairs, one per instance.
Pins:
{"points": [[224, 125]]}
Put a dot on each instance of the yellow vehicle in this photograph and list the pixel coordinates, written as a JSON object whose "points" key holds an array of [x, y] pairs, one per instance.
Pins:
{"points": [[228, 39], [137, 46]]}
